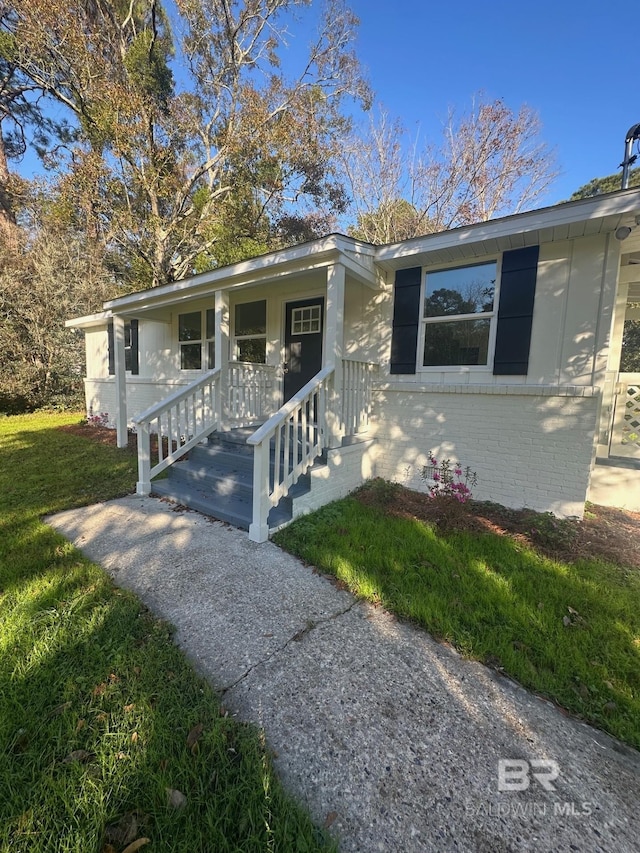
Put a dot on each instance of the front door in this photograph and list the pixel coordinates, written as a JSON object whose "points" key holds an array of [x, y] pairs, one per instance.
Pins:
{"points": [[302, 343]]}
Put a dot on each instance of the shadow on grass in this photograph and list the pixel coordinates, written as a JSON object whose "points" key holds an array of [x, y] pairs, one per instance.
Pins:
{"points": [[97, 705], [568, 631]]}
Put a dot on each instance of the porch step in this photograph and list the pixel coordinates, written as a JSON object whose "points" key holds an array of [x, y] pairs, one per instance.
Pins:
{"points": [[217, 480]]}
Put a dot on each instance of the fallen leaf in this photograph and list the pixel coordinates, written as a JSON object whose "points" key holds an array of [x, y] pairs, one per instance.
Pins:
{"points": [[123, 831], [99, 689], [134, 737], [80, 725], [137, 670], [194, 736], [129, 708], [609, 685], [176, 799], [572, 611], [109, 848], [566, 621], [330, 818], [78, 755], [136, 845]]}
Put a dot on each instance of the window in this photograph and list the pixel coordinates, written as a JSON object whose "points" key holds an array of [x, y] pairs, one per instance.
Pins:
{"points": [[457, 314], [251, 332], [190, 337], [131, 357], [305, 321]]}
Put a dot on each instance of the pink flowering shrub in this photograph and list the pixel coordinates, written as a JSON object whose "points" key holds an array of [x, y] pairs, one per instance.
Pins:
{"points": [[98, 420], [449, 482]]}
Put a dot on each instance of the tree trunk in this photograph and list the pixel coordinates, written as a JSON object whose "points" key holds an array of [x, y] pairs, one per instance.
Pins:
{"points": [[8, 227]]}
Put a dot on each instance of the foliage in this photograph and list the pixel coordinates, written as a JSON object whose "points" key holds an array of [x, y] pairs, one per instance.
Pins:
{"points": [[491, 162], [43, 282], [630, 359], [100, 713], [158, 157], [609, 184], [449, 481], [565, 629]]}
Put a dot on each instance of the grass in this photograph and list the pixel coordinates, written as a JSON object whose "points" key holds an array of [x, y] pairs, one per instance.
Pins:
{"points": [[101, 717], [569, 630]]}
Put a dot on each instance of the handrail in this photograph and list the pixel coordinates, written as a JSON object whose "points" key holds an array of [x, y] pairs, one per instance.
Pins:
{"points": [[185, 418], [269, 427], [298, 430], [176, 397]]}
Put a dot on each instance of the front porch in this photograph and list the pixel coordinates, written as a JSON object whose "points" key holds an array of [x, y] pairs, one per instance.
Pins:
{"points": [[289, 384], [249, 468]]}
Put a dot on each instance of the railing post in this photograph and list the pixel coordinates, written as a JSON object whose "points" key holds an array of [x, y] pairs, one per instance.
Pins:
{"points": [[143, 486], [259, 527], [222, 356], [334, 347]]}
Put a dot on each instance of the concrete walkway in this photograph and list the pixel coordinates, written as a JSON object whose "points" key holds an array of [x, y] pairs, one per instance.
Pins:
{"points": [[385, 734]]}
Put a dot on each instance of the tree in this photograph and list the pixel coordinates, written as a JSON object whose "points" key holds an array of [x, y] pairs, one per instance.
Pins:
{"points": [[51, 276], [156, 163], [609, 184], [489, 163], [630, 360]]}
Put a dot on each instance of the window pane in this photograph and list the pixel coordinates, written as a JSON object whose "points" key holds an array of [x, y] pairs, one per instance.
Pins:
{"points": [[189, 326], [128, 353], [253, 349], [211, 356], [464, 290], [458, 342], [190, 357], [251, 318], [211, 323]]}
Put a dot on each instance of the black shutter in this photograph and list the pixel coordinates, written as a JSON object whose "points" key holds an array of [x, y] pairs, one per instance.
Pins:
{"points": [[135, 358], [515, 311], [111, 348], [406, 320]]}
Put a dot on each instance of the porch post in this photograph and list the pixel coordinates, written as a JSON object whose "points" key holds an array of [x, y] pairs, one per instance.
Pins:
{"points": [[608, 343], [121, 381], [333, 352], [222, 355]]}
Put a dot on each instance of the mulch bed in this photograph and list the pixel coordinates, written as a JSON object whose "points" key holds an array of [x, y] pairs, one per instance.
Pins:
{"points": [[607, 533]]}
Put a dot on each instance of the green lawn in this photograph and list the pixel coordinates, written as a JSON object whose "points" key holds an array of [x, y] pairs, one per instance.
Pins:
{"points": [[101, 717], [568, 630]]}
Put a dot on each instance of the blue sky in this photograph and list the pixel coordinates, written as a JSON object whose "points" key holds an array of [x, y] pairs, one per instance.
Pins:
{"points": [[575, 63]]}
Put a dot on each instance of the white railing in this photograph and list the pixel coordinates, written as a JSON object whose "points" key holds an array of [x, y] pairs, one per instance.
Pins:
{"points": [[298, 431], [253, 389], [356, 395], [183, 419]]}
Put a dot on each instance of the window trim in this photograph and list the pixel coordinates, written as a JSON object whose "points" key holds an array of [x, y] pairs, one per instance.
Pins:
{"points": [[450, 318]]}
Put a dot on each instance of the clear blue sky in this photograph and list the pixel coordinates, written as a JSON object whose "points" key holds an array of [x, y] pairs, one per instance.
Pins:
{"points": [[575, 63]]}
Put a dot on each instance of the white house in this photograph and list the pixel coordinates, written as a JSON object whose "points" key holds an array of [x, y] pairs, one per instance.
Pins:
{"points": [[296, 375]]}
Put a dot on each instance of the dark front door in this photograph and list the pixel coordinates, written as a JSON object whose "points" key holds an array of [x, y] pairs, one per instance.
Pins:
{"points": [[302, 343]]}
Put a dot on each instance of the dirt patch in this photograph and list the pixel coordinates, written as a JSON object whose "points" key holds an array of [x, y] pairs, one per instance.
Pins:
{"points": [[607, 533], [104, 435]]}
